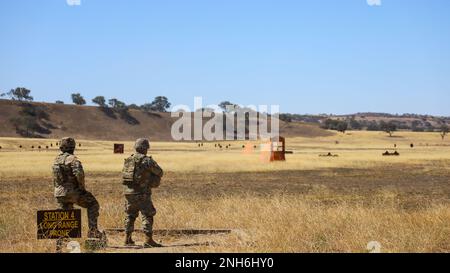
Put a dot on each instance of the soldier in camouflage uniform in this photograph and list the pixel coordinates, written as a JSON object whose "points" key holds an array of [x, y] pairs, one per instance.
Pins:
{"points": [[68, 179], [140, 174]]}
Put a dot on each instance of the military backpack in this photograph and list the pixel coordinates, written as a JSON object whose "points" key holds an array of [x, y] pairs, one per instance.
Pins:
{"points": [[60, 171], [133, 172]]}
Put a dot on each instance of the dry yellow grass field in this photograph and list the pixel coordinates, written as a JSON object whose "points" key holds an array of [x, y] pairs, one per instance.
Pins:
{"points": [[306, 204]]}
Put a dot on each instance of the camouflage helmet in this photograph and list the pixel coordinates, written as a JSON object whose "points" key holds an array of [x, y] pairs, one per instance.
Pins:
{"points": [[67, 144], [142, 144]]}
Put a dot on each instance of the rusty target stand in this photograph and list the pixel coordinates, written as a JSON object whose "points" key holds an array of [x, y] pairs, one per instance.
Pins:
{"points": [[58, 225], [278, 149]]}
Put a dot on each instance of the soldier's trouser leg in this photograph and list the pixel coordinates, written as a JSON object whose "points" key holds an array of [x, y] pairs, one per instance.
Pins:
{"points": [[148, 212], [131, 212], [88, 201], [64, 203]]}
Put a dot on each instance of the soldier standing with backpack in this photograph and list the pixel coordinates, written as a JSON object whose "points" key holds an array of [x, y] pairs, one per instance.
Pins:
{"points": [[140, 174]]}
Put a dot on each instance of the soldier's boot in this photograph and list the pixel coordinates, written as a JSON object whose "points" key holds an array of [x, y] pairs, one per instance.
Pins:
{"points": [[94, 233], [149, 242], [96, 239], [128, 240]]}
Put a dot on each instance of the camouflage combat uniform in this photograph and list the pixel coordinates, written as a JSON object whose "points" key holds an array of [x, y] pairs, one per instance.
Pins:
{"points": [[140, 174], [138, 193], [68, 179]]}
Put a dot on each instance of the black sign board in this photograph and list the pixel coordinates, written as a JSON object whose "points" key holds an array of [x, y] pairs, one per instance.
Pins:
{"points": [[56, 224], [119, 148]]}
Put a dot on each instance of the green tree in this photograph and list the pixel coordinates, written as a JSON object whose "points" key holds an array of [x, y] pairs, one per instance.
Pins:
{"points": [[227, 106], [123, 110], [78, 99], [444, 131], [285, 117], [20, 94], [373, 126], [388, 127], [416, 126], [223, 105], [117, 104], [159, 104], [355, 125], [337, 125], [330, 124], [147, 107], [59, 102], [134, 106], [342, 127], [100, 101]]}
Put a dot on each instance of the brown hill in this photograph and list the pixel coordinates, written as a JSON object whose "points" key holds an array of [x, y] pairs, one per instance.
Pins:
{"points": [[89, 122]]}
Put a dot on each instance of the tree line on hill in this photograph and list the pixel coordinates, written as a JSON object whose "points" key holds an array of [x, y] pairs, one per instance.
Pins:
{"points": [[389, 127], [33, 120], [159, 104], [420, 123], [343, 125]]}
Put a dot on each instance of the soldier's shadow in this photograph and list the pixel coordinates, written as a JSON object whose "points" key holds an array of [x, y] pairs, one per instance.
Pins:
{"points": [[166, 245], [191, 244]]}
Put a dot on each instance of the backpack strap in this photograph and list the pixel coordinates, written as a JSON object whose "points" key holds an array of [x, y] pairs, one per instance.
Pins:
{"points": [[137, 165]]}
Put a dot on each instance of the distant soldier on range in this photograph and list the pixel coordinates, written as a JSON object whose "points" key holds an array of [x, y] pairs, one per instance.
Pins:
{"points": [[140, 174], [68, 180]]}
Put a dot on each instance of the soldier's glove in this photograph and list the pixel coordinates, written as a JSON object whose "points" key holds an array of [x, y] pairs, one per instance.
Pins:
{"points": [[127, 182]]}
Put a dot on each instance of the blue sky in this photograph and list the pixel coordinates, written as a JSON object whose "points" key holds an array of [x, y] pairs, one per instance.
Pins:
{"points": [[316, 56]]}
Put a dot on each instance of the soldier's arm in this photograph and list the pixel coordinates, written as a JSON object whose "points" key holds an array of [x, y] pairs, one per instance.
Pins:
{"points": [[78, 172], [153, 167]]}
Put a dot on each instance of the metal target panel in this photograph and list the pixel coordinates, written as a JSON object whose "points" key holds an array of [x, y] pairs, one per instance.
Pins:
{"points": [[278, 149], [119, 148]]}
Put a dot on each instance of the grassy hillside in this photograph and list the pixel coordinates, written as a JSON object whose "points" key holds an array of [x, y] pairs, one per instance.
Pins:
{"points": [[89, 122]]}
